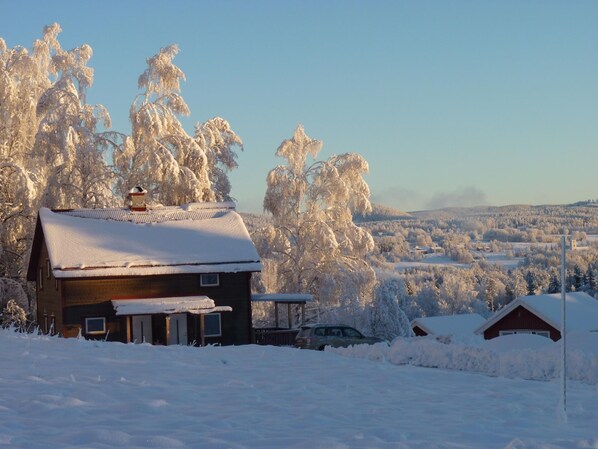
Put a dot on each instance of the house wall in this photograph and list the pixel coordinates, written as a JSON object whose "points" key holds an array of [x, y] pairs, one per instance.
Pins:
{"points": [[91, 297], [521, 319], [48, 295]]}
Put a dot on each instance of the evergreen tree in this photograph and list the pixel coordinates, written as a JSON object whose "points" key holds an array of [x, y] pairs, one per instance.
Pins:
{"points": [[531, 281], [591, 276], [555, 285], [577, 278]]}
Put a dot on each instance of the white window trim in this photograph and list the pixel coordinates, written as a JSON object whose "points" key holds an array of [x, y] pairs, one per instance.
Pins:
{"points": [[205, 284], [49, 268], [40, 279], [541, 333], [95, 332], [219, 334]]}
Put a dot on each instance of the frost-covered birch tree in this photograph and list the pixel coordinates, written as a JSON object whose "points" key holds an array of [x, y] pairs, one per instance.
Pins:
{"points": [[217, 140], [313, 241], [160, 156], [68, 142], [24, 76]]}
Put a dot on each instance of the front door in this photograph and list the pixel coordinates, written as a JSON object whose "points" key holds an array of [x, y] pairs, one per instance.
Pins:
{"points": [[177, 330], [142, 329]]}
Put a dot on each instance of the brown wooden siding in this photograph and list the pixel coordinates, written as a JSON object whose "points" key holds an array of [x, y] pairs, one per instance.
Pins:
{"points": [[521, 319], [49, 298], [91, 297]]}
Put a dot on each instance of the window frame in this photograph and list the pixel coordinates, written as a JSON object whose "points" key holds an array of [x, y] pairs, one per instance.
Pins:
{"points": [[219, 316], [49, 268], [88, 332], [207, 284], [40, 278], [541, 333]]}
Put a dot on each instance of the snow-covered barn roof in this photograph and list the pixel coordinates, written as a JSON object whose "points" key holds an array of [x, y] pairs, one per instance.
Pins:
{"points": [[582, 311], [458, 325], [194, 238]]}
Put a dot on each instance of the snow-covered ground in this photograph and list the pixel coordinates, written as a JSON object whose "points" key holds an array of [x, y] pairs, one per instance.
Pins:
{"points": [[57, 393]]}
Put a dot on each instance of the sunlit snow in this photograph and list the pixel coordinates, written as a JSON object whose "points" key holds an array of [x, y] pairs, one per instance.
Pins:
{"points": [[69, 393]]}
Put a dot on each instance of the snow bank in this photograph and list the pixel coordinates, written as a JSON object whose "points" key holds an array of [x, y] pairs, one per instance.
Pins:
{"points": [[513, 356]]}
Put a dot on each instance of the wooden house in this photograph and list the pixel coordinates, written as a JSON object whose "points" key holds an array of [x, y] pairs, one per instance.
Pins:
{"points": [[163, 275], [541, 315], [456, 325]]}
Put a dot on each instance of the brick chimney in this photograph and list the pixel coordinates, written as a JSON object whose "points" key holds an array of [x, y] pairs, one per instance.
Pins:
{"points": [[136, 199]]}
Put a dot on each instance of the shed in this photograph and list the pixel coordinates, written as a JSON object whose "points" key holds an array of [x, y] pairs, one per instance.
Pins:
{"points": [[457, 325], [278, 336]]}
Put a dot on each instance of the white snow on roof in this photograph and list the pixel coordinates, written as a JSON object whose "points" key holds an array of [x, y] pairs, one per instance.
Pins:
{"points": [[582, 311], [118, 242], [282, 297], [191, 304], [458, 325]]}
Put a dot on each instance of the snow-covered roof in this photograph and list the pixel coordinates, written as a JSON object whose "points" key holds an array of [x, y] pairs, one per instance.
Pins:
{"points": [[582, 311], [184, 304], [458, 325], [282, 297], [194, 238]]}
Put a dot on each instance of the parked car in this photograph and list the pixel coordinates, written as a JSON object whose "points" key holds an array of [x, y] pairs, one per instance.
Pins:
{"points": [[318, 336]]}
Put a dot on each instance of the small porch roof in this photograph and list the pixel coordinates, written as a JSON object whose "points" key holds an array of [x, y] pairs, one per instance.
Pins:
{"points": [[198, 305], [288, 298]]}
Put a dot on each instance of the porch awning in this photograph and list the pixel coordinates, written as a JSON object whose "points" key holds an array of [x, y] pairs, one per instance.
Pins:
{"points": [[290, 298], [197, 305]]}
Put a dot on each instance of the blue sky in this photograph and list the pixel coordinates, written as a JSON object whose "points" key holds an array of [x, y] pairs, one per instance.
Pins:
{"points": [[451, 102]]}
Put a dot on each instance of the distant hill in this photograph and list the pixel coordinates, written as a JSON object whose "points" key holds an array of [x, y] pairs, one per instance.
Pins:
{"points": [[381, 213]]}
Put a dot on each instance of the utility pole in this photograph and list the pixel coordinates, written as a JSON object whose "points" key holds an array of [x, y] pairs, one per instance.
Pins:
{"points": [[563, 333]]}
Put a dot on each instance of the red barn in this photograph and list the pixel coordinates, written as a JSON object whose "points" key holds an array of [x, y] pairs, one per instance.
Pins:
{"points": [[541, 315]]}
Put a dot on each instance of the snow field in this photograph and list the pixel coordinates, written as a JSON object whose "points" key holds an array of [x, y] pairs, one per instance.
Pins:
{"points": [[514, 356], [68, 393]]}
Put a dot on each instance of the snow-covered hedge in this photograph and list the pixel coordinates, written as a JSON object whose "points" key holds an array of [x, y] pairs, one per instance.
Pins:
{"points": [[521, 356]]}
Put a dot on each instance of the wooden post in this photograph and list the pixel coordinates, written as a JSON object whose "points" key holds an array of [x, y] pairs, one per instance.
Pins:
{"points": [[167, 330], [289, 317], [128, 325], [276, 314], [302, 314], [202, 331]]}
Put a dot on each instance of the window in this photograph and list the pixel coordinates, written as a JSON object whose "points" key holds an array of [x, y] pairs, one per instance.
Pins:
{"points": [[212, 325], [96, 325], [209, 280], [525, 331], [48, 268], [40, 279]]}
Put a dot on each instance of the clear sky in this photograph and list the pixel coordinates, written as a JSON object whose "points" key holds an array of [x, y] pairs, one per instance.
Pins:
{"points": [[451, 102]]}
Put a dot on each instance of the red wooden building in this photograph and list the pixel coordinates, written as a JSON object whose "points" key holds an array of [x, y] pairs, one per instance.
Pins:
{"points": [[541, 315]]}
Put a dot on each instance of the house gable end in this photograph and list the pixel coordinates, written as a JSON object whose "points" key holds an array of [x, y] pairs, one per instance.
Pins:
{"points": [[521, 319]]}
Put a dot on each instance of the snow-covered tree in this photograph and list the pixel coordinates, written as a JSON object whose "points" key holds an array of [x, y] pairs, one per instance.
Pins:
{"points": [[24, 76], [313, 240], [160, 155], [387, 320], [68, 142], [217, 140], [13, 315]]}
